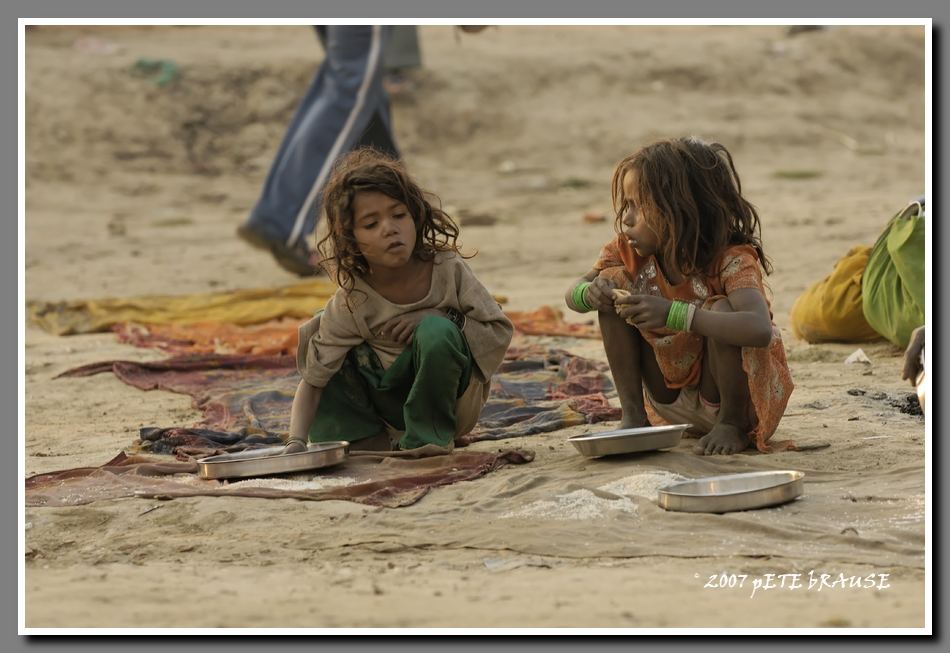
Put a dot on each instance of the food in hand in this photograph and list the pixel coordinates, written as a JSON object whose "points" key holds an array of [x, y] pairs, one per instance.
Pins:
{"points": [[620, 293]]}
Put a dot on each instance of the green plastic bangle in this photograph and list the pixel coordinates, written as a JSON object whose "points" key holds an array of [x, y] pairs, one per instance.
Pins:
{"points": [[676, 318], [577, 296], [681, 316]]}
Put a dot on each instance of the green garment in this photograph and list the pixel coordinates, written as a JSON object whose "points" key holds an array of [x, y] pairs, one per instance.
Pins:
{"points": [[417, 394], [892, 285]]}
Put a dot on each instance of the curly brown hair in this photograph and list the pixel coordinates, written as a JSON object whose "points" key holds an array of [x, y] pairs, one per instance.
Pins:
{"points": [[364, 170], [689, 193]]}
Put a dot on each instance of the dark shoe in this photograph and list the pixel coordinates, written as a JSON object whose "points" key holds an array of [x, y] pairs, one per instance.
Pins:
{"points": [[298, 259]]}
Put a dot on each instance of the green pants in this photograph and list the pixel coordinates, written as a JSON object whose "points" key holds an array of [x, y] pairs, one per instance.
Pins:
{"points": [[417, 394]]}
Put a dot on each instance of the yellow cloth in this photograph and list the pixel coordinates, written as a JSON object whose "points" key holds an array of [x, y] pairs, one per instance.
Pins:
{"points": [[249, 306], [831, 309]]}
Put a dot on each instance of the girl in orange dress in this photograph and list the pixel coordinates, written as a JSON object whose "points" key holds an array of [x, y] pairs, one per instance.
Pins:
{"points": [[686, 324]]}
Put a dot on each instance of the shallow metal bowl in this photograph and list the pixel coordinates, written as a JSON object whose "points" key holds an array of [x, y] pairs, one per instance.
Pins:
{"points": [[647, 438], [270, 460], [732, 492]]}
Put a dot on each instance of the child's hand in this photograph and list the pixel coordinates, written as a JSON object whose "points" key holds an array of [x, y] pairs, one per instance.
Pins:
{"points": [[912, 364], [400, 328], [644, 311], [599, 295]]}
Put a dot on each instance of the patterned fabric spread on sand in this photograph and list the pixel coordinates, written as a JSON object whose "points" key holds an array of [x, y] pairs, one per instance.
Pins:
{"points": [[280, 336], [377, 480], [270, 338], [204, 317], [680, 354], [245, 400], [549, 321]]}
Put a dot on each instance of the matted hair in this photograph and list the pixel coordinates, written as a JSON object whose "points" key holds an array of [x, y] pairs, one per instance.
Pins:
{"points": [[369, 170], [689, 193]]}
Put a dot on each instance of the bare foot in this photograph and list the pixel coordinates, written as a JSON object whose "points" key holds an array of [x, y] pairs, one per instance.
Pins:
{"points": [[722, 439]]}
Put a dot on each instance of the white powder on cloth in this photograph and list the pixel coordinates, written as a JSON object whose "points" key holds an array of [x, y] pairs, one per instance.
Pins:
{"points": [[584, 504], [294, 483], [643, 485], [579, 504]]}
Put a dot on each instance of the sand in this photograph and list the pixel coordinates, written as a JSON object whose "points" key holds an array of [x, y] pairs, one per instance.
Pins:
{"points": [[136, 188]]}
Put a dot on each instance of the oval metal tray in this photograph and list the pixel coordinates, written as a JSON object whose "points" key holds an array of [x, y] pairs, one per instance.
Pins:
{"points": [[270, 460], [732, 492], [647, 438]]}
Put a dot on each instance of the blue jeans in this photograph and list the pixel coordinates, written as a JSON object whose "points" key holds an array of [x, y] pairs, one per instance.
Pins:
{"points": [[345, 107]]}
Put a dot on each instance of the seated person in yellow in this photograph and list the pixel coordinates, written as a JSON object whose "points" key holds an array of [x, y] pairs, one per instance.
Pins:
{"points": [[873, 292]]}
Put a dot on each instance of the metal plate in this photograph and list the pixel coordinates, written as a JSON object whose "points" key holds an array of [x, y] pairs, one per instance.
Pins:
{"points": [[647, 438], [270, 460], [732, 492]]}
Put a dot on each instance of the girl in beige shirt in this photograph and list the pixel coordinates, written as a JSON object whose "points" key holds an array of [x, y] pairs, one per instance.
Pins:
{"points": [[404, 352]]}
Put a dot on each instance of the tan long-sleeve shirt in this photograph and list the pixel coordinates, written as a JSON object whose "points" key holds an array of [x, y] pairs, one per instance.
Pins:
{"points": [[326, 339]]}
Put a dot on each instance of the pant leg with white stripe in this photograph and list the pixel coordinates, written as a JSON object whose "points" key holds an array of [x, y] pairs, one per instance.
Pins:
{"points": [[345, 97]]}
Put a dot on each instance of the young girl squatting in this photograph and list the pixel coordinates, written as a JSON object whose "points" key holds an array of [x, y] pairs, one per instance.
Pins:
{"points": [[693, 341], [403, 354]]}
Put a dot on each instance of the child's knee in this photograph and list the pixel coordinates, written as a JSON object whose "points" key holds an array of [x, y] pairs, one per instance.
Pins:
{"points": [[435, 328], [610, 322]]}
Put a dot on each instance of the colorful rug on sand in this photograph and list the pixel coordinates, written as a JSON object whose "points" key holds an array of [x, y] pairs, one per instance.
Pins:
{"points": [[245, 399], [241, 307], [217, 322], [280, 336], [232, 353]]}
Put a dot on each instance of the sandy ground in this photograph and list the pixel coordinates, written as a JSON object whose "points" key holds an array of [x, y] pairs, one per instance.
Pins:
{"points": [[136, 188]]}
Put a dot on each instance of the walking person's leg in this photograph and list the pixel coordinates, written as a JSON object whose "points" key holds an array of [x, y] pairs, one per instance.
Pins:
{"points": [[335, 112]]}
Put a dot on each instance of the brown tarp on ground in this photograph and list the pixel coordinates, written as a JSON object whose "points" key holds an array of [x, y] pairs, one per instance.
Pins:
{"points": [[390, 480]]}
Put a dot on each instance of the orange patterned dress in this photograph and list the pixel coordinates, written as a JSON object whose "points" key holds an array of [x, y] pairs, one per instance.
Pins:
{"points": [[680, 354]]}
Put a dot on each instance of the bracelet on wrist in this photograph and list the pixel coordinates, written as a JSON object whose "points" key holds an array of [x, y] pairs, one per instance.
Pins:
{"points": [[689, 317], [676, 317], [457, 317], [578, 297]]}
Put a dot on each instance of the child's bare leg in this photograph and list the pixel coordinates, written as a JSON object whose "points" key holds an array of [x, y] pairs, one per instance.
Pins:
{"points": [[724, 380], [630, 358]]}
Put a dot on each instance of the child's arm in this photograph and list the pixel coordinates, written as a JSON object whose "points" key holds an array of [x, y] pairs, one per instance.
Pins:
{"points": [[485, 326], [304, 407], [322, 344], [748, 324], [598, 295]]}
